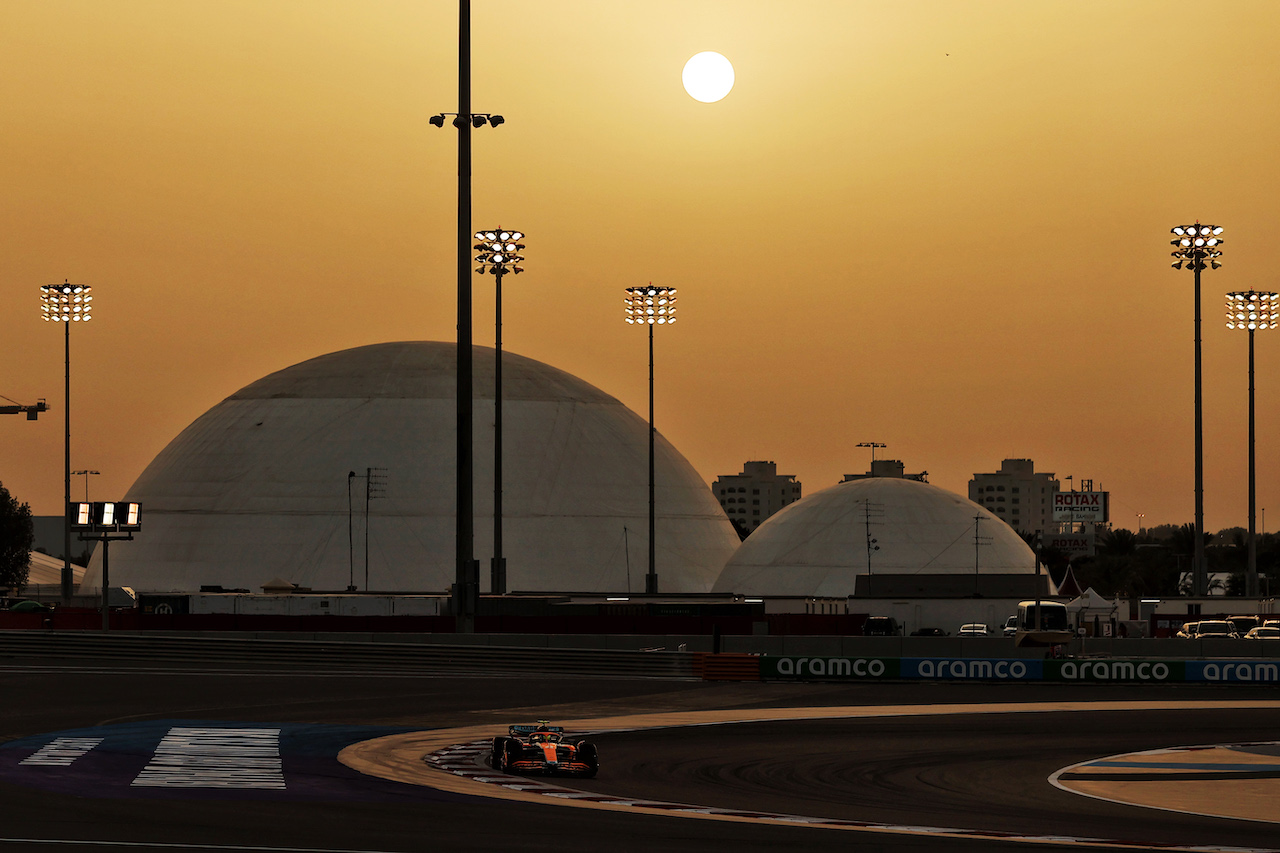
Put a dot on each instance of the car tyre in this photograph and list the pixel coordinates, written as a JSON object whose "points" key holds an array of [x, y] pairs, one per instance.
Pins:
{"points": [[495, 755], [588, 756], [510, 754]]}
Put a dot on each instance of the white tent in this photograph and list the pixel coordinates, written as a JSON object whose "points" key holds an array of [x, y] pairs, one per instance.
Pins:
{"points": [[45, 570], [1091, 607]]}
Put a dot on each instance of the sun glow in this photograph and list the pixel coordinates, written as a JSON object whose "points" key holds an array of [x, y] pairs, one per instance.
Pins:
{"points": [[707, 76]]}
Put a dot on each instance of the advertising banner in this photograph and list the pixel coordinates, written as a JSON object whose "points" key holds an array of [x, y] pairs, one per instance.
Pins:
{"points": [[1234, 671], [1103, 671], [1073, 544], [1080, 506], [1074, 671], [829, 668], [970, 669]]}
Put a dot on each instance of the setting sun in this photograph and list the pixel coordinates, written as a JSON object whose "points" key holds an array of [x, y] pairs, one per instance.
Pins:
{"points": [[707, 76]]}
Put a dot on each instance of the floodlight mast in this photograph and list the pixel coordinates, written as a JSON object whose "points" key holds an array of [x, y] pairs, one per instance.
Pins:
{"points": [[873, 445], [66, 303], [1196, 246], [651, 306], [498, 253], [1251, 310], [466, 590], [103, 522]]}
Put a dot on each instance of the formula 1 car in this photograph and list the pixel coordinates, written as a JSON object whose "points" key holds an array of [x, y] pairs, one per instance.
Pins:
{"points": [[542, 750]]}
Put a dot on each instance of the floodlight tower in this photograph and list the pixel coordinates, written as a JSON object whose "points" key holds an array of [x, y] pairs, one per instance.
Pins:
{"points": [[1195, 247], [1251, 310], [66, 303], [651, 306], [873, 445], [466, 591], [498, 253], [87, 473]]}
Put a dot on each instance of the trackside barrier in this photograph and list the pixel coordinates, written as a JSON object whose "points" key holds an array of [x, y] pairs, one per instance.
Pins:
{"points": [[726, 667], [1089, 670], [327, 655]]}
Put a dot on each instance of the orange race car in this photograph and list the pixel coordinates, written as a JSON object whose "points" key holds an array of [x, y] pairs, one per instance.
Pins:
{"points": [[542, 750]]}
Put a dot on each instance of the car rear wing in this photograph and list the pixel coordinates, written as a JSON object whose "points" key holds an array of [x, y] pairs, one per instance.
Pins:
{"points": [[530, 728]]}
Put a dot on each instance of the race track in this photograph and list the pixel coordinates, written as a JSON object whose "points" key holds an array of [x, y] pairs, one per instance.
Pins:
{"points": [[988, 772]]}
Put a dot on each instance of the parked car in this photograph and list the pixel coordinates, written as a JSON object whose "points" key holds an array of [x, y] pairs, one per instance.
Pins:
{"points": [[1244, 624], [881, 626], [929, 632], [1216, 629], [30, 607], [1271, 623], [1188, 630], [1262, 632], [974, 629], [1011, 626]]}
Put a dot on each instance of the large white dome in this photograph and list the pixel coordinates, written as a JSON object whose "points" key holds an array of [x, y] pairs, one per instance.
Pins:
{"points": [[818, 545], [257, 487]]}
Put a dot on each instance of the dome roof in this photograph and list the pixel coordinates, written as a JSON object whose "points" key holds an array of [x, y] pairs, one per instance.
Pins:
{"points": [[818, 545], [259, 487]]}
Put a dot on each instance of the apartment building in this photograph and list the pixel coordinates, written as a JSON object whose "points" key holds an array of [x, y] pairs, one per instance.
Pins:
{"points": [[757, 493], [1018, 494]]}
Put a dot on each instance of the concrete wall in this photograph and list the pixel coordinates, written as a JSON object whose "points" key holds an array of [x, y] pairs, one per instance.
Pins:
{"points": [[317, 605]]}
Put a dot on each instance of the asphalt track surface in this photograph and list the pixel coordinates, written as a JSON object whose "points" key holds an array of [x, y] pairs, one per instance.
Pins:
{"points": [[985, 771]]}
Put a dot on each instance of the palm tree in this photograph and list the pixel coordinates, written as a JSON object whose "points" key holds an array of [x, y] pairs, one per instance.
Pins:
{"points": [[1117, 543]]}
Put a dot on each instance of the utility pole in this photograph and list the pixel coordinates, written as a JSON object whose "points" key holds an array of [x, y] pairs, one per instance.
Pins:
{"points": [[375, 486], [872, 544], [978, 542]]}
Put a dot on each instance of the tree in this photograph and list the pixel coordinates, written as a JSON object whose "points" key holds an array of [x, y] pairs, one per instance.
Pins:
{"points": [[16, 537], [1117, 543], [1126, 566]]}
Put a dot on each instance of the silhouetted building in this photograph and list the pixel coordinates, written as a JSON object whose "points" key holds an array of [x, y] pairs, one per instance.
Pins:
{"points": [[1018, 495], [888, 468], [755, 494]]}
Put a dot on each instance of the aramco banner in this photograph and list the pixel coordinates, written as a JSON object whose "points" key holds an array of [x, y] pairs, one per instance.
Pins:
{"points": [[1083, 671]]}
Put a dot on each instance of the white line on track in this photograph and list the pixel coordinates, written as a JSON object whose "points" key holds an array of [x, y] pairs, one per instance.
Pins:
{"points": [[1145, 802], [161, 845]]}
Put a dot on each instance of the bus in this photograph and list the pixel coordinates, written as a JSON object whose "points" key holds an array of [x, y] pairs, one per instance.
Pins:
{"points": [[1042, 623]]}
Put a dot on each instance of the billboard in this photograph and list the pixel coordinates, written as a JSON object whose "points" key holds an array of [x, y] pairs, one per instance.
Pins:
{"points": [[1076, 671], [1081, 506], [1074, 544]]}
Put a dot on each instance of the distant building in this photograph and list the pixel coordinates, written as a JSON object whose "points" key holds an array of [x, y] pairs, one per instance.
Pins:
{"points": [[755, 494], [891, 468], [1018, 495], [49, 530]]}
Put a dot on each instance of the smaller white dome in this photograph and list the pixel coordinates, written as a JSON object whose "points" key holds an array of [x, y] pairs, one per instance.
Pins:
{"points": [[818, 545]]}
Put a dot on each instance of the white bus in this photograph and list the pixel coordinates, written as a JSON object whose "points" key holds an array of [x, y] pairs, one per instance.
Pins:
{"points": [[1042, 623]]}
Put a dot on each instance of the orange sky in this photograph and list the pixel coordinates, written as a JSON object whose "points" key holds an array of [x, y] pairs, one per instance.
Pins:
{"points": [[939, 225]]}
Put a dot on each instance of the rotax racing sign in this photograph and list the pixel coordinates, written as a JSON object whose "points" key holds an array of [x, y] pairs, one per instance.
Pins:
{"points": [[1080, 506]]}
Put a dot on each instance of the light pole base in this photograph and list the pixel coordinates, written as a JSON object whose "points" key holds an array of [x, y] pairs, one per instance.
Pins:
{"points": [[498, 575]]}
